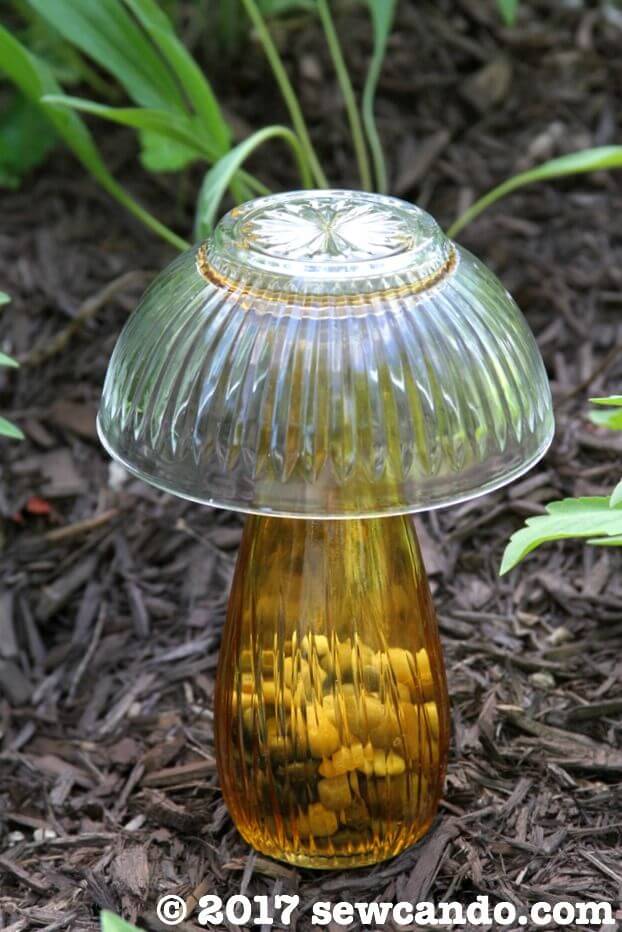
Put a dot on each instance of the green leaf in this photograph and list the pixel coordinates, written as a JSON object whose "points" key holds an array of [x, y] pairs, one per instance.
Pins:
{"points": [[105, 31], [35, 80], [572, 517], [382, 15], [607, 541], [219, 177], [8, 361], [588, 160], [508, 10], [4, 298], [160, 154], [616, 496], [111, 923], [272, 8], [26, 137], [611, 419], [610, 400], [189, 75], [10, 430], [180, 134]]}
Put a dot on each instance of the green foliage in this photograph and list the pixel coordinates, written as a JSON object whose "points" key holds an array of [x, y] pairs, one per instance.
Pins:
{"points": [[508, 10], [382, 15], [219, 177], [174, 111], [588, 160], [26, 137], [7, 429], [597, 518], [134, 41], [35, 80], [111, 923]]}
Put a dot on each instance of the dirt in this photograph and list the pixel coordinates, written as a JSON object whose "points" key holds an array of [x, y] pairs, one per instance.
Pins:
{"points": [[113, 594]]}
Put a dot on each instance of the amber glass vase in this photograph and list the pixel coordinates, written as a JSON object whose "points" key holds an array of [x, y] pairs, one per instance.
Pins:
{"points": [[331, 702]]}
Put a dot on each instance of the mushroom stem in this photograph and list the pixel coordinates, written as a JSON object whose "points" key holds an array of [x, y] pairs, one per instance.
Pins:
{"points": [[331, 700]]}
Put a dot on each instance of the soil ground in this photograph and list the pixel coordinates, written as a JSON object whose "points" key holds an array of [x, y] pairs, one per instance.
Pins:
{"points": [[113, 594]]}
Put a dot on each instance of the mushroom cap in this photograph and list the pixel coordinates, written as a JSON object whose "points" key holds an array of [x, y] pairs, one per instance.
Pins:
{"points": [[326, 354]]}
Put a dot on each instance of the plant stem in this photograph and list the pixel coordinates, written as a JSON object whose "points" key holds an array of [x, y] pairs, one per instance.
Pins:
{"points": [[345, 84], [143, 215], [289, 95]]}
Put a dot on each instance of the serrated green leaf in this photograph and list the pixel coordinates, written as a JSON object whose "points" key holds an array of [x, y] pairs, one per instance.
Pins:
{"points": [[611, 419], [616, 496], [35, 80], [111, 923], [508, 10], [572, 517], [219, 177], [26, 137], [104, 31], [588, 160], [10, 430], [8, 361], [615, 400]]}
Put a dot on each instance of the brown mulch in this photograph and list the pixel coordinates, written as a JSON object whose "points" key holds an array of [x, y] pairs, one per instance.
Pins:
{"points": [[113, 594]]}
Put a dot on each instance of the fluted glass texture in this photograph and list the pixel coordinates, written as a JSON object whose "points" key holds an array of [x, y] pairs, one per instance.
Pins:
{"points": [[327, 354], [332, 721]]}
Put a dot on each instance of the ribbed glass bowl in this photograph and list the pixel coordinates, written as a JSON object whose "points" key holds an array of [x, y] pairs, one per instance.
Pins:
{"points": [[327, 354]]}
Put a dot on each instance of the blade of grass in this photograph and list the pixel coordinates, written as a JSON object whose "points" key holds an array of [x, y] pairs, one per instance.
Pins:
{"points": [[588, 160], [35, 80], [382, 15], [218, 178], [343, 77], [287, 91]]}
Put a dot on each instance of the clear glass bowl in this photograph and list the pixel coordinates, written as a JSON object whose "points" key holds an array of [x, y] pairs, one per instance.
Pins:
{"points": [[327, 354]]}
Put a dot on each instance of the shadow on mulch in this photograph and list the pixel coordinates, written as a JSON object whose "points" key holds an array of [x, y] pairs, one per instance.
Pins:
{"points": [[113, 594]]}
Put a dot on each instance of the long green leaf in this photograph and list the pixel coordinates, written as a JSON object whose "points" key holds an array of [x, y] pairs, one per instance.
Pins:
{"points": [[589, 160], [190, 76], [182, 129], [347, 91], [219, 177], [103, 30], [615, 400], [607, 541], [10, 430], [382, 16], [35, 80], [287, 91], [572, 517]]}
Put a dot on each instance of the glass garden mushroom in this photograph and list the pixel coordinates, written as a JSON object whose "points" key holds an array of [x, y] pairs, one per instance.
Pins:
{"points": [[328, 362]]}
